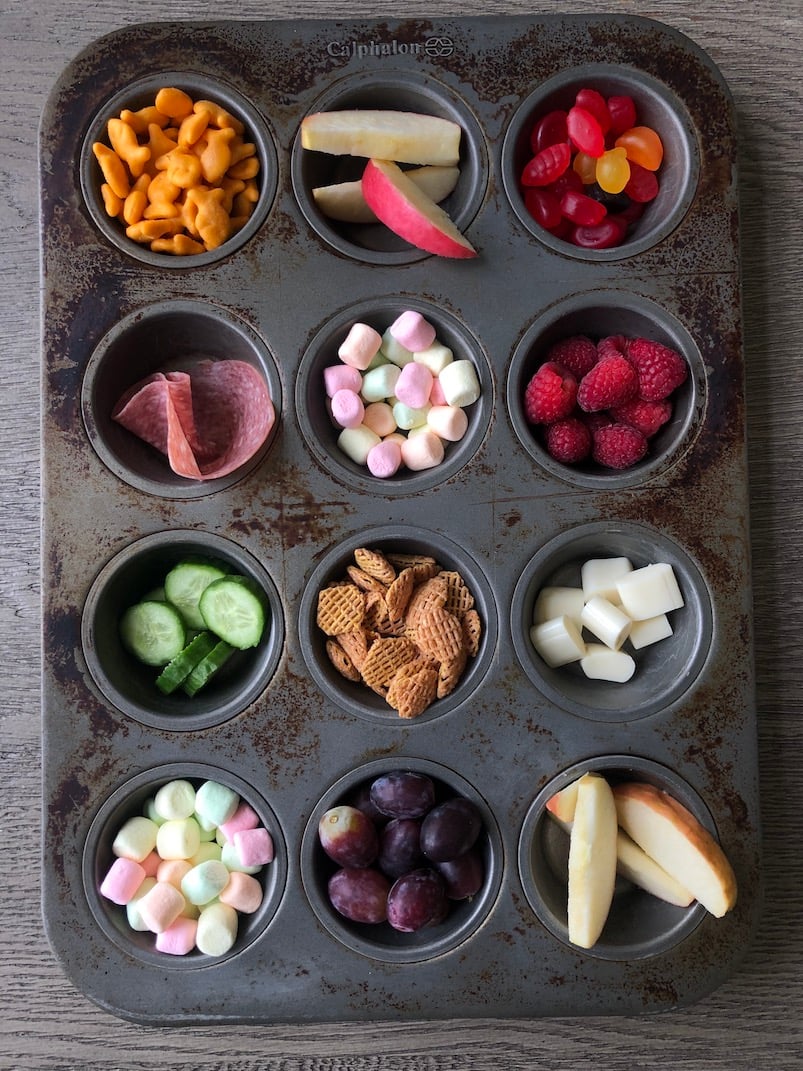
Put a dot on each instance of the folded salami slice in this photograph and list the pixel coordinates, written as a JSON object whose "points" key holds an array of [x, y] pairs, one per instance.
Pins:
{"points": [[208, 421]]}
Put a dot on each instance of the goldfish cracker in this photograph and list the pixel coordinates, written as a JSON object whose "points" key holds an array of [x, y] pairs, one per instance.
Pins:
{"points": [[231, 187], [162, 194], [113, 169], [212, 220], [148, 230], [183, 169], [192, 129], [159, 142], [140, 120], [135, 204], [217, 115], [240, 149], [244, 202], [216, 156], [125, 144], [180, 244], [173, 102], [246, 169], [111, 202]]}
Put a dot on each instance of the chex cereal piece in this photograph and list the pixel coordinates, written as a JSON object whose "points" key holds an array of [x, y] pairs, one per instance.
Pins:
{"points": [[432, 593], [402, 561], [341, 661], [459, 598], [356, 645], [450, 672], [364, 580], [472, 631], [385, 656], [413, 688], [375, 564], [377, 618], [341, 608], [398, 594], [439, 634]]}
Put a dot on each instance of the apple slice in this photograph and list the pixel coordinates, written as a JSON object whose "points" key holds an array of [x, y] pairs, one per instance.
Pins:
{"points": [[675, 839], [407, 137], [410, 213], [344, 201], [592, 860]]}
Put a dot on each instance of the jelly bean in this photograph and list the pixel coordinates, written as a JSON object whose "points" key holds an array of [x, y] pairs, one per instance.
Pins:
{"points": [[586, 167], [569, 180], [643, 146], [544, 206], [610, 232], [613, 171], [585, 132], [548, 165], [593, 101], [581, 209], [642, 186], [549, 131], [622, 112]]}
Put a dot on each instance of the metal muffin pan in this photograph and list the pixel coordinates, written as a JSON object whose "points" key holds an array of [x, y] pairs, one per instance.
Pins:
{"points": [[282, 727]]}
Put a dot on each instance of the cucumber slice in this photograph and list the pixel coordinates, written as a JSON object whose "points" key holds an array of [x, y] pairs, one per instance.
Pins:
{"points": [[177, 671], [153, 632], [184, 585], [208, 667], [234, 609]]}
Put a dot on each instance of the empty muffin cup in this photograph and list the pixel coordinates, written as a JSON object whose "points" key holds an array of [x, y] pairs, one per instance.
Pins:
{"points": [[470, 391], [134, 800], [372, 242], [599, 315], [657, 108], [456, 917], [453, 595], [137, 574], [231, 150], [228, 435], [671, 653], [639, 923]]}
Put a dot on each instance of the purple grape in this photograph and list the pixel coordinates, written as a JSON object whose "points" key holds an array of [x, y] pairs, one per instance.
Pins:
{"points": [[360, 894], [361, 799], [450, 829], [403, 794], [416, 900], [348, 836], [464, 875], [399, 846]]}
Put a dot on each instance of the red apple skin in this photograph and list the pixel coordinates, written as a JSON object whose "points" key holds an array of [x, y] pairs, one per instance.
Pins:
{"points": [[408, 212]]}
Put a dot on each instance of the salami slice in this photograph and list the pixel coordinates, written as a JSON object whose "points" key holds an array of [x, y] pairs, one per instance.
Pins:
{"points": [[208, 421]]}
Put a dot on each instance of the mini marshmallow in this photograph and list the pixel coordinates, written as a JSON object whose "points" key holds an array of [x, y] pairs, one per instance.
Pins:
{"points": [[558, 641], [558, 601], [150, 864], [208, 850], [161, 906], [341, 377], [649, 591], [176, 799], [122, 880], [215, 802], [412, 331], [379, 383], [243, 892], [172, 871], [379, 418], [606, 622], [179, 937], [205, 881], [132, 914], [230, 858], [394, 351], [149, 811], [347, 408], [436, 395], [650, 630], [423, 451], [135, 839], [360, 346], [245, 817], [459, 383], [357, 442], [217, 929], [384, 460], [178, 838], [448, 421], [434, 357], [600, 663], [407, 418], [414, 385], [599, 576], [254, 847]]}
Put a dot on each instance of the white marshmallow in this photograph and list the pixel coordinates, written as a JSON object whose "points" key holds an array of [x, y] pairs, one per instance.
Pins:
{"points": [[600, 663], [650, 630], [606, 621], [217, 929], [599, 576], [649, 591], [459, 383], [557, 601], [356, 442], [558, 641], [434, 357]]}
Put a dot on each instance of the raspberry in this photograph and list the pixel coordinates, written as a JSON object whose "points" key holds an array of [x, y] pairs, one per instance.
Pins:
{"points": [[618, 446], [568, 440], [646, 417], [610, 382], [578, 354], [593, 421], [551, 394], [612, 346], [660, 369]]}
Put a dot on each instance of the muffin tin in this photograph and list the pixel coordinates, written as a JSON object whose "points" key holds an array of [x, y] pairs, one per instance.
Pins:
{"points": [[280, 725]]}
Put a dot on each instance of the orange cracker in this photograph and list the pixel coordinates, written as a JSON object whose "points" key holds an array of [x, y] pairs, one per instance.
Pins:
{"points": [[449, 673], [384, 657], [356, 645], [412, 692], [364, 580], [375, 564], [341, 661], [459, 598], [472, 631], [432, 593], [439, 634], [341, 608]]}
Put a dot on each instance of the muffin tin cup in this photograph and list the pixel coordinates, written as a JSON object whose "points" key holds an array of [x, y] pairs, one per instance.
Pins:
{"points": [[321, 433], [167, 336], [598, 314], [130, 685], [658, 107], [639, 925], [141, 93], [665, 670], [356, 698], [127, 801], [381, 941], [374, 243]]}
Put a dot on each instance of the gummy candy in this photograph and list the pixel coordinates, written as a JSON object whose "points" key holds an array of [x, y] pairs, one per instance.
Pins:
{"points": [[643, 146], [612, 171]]}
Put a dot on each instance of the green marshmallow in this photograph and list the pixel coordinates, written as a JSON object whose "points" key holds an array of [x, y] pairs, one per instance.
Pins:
{"points": [[215, 803], [205, 881]]}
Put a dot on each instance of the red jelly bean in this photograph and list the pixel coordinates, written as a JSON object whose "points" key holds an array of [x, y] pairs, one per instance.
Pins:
{"points": [[569, 180], [642, 185], [622, 112], [643, 146], [549, 131], [547, 165], [581, 209], [604, 235], [585, 132], [543, 206], [594, 102]]}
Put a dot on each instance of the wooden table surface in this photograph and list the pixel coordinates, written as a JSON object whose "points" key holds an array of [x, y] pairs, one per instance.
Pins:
{"points": [[754, 1019]]}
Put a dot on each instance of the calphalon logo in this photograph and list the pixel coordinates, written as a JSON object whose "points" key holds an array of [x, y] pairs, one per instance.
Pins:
{"points": [[436, 47]]}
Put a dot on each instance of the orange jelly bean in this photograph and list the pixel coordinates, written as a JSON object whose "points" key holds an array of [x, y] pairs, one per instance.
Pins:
{"points": [[643, 146], [613, 170]]}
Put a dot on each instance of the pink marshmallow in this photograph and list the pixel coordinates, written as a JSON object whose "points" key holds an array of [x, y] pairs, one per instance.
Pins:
{"points": [[254, 847], [341, 377], [412, 331], [179, 937], [436, 395], [151, 864], [360, 346], [450, 422], [414, 385], [347, 409], [122, 880], [422, 451], [384, 459], [245, 817], [243, 892], [379, 418], [161, 906]]}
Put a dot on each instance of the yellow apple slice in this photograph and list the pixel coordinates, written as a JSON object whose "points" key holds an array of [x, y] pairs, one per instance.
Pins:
{"points": [[592, 860], [410, 213], [407, 137], [344, 201], [672, 836]]}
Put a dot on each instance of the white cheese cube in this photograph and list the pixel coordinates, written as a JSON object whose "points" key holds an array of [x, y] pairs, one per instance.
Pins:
{"points": [[649, 591], [650, 630], [599, 576], [558, 602], [606, 621], [600, 663], [558, 641]]}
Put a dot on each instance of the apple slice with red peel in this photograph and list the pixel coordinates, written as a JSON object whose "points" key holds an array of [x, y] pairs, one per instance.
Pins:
{"points": [[410, 213], [592, 860], [408, 137], [344, 201]]}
